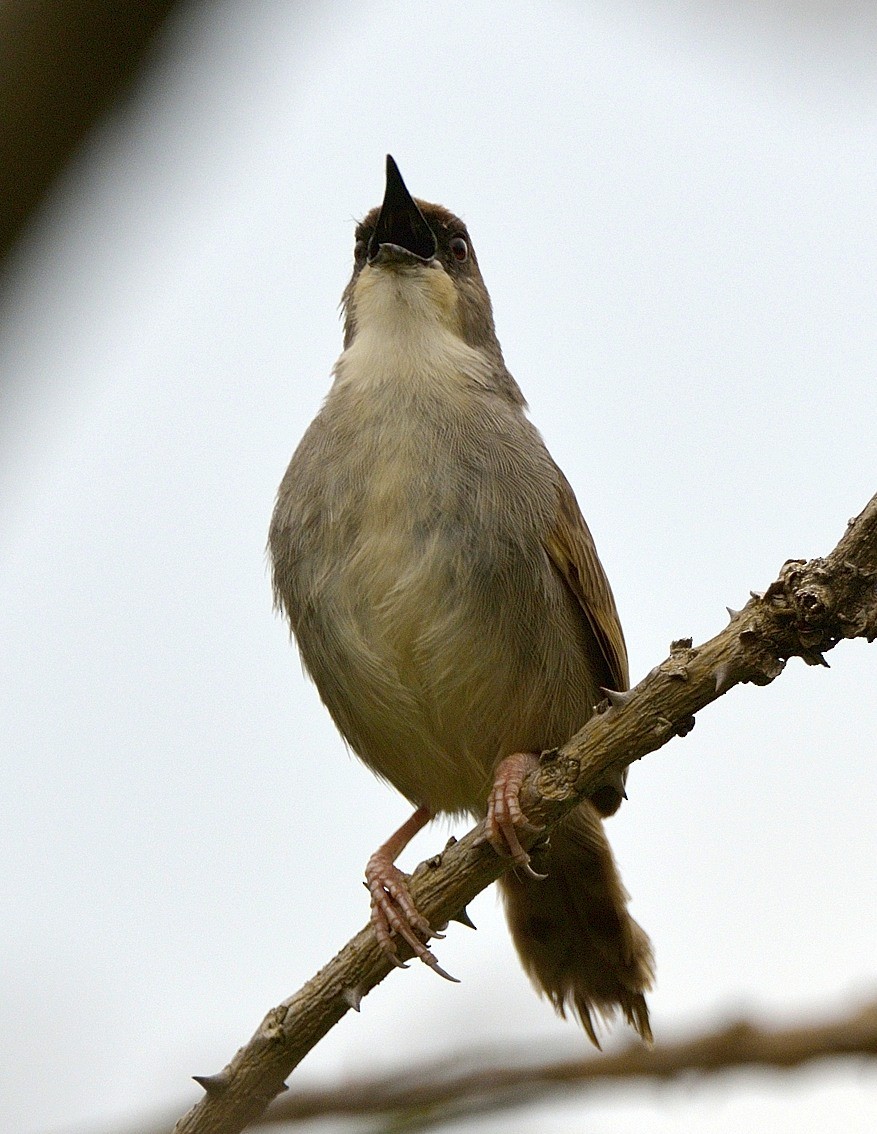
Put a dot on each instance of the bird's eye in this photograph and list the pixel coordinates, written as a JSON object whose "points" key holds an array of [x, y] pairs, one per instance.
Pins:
{"points": [[359, 252], [459, 248]]}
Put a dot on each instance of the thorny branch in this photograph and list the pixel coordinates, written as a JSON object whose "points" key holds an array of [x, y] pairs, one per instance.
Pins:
{"points": [[808, 609]]}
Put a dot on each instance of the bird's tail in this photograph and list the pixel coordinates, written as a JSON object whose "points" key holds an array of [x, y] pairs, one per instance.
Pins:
{"points": [[576, 940]]}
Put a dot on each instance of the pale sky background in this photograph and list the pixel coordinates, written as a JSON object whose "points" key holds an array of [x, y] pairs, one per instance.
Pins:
{"points": [[674, 205]]}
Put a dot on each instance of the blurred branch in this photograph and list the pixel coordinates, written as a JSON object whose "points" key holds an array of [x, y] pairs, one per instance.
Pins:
{"points": [[445, 1091], [473, 1083], [62, 64], [805, 612]]}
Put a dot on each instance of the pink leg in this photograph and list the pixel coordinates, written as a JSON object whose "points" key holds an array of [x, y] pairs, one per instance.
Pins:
{"points": [[392, 911], [505, 819]]}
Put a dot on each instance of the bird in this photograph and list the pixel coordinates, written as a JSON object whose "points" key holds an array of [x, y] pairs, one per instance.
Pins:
{"points": [[447, 600]]}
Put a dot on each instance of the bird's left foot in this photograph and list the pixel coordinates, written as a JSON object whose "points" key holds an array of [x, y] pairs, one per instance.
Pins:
{"points": [[505, 821]]}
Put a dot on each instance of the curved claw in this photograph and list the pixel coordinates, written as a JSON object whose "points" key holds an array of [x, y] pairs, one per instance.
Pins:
{"points": [[394, 914], [429, 959]]}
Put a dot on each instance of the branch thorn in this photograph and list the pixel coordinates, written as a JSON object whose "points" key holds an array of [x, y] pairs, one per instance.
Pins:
{"points": [[616, 698], [614, 779], [463, 918], [353, 997], [724, 680], [214, 1084]]}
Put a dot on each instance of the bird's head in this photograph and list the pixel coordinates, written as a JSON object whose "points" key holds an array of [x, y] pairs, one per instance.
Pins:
{"points": [[414, 266]]}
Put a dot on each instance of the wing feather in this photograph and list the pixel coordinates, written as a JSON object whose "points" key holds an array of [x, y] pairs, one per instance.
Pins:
{"points": [[571, 548]]}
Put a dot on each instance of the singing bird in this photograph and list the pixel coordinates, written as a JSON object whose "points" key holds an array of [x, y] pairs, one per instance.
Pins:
{"points": [[448, 601]]}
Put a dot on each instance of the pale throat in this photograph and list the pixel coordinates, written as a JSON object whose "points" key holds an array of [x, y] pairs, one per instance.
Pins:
{"points": [[407, 330]]}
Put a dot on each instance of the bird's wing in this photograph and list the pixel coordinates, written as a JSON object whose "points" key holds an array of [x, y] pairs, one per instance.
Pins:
{"points": [[570, 546]]}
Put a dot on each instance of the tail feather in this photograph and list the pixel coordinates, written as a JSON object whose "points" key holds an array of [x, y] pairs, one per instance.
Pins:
{"points": [[576, 940]]}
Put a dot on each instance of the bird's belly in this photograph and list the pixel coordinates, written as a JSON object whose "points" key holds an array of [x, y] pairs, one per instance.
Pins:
{"points": [[439, 650]]}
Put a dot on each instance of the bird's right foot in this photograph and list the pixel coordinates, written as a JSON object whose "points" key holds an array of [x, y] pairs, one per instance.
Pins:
{"points": [[394, 914]]}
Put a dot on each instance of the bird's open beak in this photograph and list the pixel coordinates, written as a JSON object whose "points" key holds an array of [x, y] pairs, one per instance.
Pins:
{"points": [[401, 225]]}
